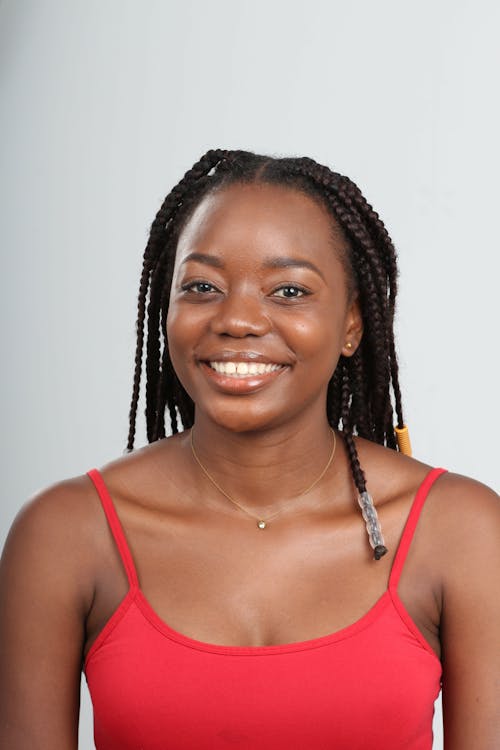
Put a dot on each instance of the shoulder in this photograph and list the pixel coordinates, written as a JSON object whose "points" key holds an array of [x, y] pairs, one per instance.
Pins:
{"points": [[53, 539], [464, 516], [64, 508], [60, 537], [152, 476], [457, 494], [463, 512], [460, 520], [451, 492], [70, 509], [390, 475], [68, 513]]}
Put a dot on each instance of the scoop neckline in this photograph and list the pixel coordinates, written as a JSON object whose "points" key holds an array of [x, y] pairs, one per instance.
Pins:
{"points": [[346, 632], [136, 596]]}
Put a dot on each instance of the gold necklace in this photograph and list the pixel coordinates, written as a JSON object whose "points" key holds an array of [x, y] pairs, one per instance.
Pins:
{"points": [[261, 523]]}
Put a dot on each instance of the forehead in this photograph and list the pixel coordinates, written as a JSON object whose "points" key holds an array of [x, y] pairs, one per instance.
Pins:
{"points": [[259, 217]]}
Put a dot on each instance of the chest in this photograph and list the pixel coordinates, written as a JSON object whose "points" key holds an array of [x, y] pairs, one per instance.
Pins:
{"points": [[224, 584], [373, 680]]}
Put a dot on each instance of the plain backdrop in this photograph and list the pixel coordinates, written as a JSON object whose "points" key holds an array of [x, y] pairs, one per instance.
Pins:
{"points": [[104, 104]]}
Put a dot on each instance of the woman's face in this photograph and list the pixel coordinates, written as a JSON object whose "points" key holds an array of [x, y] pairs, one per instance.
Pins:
{"points": [[259, 309]]}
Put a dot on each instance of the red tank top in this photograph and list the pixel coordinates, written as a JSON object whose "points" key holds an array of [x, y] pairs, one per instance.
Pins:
{"points": [[370, 685]]}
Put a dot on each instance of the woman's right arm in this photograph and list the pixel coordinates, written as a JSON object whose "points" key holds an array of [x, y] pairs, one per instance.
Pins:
{"points": [[46, 591]]}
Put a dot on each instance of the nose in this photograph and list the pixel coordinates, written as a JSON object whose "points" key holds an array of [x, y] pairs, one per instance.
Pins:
{"points": [[241, 314]]}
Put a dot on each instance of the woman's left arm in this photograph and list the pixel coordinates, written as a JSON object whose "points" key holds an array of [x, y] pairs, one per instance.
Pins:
{"points": [[470, 623]]}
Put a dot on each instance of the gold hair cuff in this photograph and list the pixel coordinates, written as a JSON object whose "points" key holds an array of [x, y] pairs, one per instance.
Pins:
{"points": [[403, 438]]}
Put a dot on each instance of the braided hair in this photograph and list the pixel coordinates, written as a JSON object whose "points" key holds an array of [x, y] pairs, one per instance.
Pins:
{"points": [[364, 389]]}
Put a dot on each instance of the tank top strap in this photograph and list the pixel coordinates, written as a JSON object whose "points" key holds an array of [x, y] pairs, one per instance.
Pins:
{"points": [[410, 526], [115, 527]]}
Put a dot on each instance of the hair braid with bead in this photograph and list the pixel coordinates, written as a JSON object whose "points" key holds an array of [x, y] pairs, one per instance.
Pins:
{"points": [[363, 387]]}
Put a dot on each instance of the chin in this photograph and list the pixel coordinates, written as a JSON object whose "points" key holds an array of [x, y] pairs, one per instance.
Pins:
{"points": [[241, 419]]}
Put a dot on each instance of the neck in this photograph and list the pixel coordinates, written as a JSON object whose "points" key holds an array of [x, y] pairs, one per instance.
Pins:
{"points": [[263, 470]]}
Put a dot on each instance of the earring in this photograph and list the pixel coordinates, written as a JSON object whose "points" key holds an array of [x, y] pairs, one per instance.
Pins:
{"points": [[348, 345]]}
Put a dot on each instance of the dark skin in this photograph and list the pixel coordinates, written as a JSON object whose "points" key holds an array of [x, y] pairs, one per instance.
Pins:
{"points": [[202, 564]]}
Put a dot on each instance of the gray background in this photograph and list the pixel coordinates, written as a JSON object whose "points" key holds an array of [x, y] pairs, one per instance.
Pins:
{"points": [[103, 106]]}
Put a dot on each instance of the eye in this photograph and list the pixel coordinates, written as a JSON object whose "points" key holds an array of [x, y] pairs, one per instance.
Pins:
{"points": [[290, 291], [199, 287]]}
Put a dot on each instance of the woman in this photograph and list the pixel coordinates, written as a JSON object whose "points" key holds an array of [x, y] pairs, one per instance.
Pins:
{"points": [[220, 587]]}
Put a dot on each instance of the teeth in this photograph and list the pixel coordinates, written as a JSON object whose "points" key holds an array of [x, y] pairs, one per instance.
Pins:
{"points": [[243, 369]]}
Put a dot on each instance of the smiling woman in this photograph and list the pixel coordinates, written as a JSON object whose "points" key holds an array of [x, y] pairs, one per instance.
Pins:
{"points": [[277, 572], [240, 295]]}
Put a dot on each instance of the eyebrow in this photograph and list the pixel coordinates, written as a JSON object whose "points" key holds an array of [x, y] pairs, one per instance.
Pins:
{"points": [[292, 263], [281, 262], [209, 260]]}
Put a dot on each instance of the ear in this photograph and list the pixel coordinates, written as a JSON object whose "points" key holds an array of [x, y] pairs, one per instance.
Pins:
{"points": [[353, 330]]}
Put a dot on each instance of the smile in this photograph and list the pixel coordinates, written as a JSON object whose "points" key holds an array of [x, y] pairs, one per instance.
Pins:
{"points": [[244, 369], [240, 378]]}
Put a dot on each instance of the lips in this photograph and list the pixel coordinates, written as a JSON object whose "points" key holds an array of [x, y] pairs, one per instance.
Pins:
{"points": [[243, 374]]}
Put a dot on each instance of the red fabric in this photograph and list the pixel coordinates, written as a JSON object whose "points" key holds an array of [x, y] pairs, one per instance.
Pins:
{"points": [[371, 684]]}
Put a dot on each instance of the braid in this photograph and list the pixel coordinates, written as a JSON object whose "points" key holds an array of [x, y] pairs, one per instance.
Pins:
{"points": [[138, 353], [361, 412], [153, 371], [364, 390], [365, 501], [357, 471], [355, 200]]}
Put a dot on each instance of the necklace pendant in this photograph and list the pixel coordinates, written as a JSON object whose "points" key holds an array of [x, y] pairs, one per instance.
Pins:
{"points": [[261, 524]]}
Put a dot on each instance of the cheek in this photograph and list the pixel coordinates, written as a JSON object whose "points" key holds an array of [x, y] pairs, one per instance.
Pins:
{"points": [[318, 339], [173, 322], [172, 327], [180, 333], [183, 328]]}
